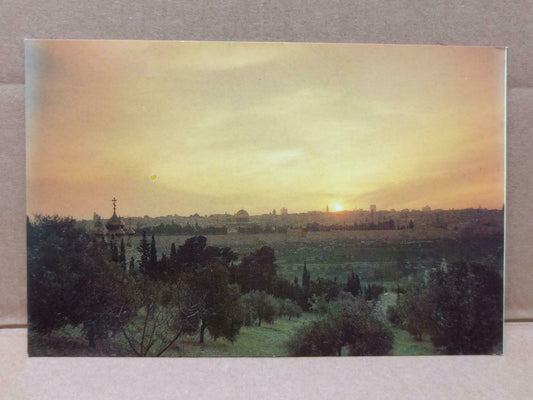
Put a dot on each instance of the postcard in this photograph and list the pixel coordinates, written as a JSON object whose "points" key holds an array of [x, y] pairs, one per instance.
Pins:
{"points": [[221, 199]]}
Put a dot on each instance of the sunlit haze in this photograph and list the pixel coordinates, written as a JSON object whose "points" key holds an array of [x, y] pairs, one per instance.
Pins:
{"points": [[207, 127]]}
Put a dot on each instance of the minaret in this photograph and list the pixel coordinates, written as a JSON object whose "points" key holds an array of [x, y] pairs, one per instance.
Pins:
{"points": [[327, 207]]}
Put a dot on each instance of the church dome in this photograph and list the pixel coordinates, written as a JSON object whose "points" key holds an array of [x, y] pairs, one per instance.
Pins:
{"points": [[114, 223]]}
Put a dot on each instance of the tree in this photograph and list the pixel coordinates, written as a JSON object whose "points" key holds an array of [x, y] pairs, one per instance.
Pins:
{"points": [[122, 256], [317, 338], [132, 267], [373, 292], [306, 277], [467, 303], [348, 322], [154, 267], [207, 269], [287, 308], [114, 250], [160, 314], [71, 279], [257, 271], [353, 285], [144, 260], [413, 311], [259, 306], [318, 304], [225, 315], [173, 260]]}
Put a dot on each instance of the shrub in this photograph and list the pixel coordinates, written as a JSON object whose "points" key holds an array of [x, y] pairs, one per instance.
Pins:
{"points": [[259, 306], [348, 322]]}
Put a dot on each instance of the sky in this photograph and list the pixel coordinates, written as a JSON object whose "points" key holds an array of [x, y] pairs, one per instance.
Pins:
{"points": [[212, 127]]}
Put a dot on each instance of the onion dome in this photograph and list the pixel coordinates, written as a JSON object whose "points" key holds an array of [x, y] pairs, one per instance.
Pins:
{"points": [[114, 223]]}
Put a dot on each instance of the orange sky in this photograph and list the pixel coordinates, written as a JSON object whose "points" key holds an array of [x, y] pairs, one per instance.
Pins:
{"points": [[259, 126]]}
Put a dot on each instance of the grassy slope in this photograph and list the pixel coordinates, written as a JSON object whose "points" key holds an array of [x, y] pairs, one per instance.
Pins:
{"points": [[405, 345], [267, 340]]}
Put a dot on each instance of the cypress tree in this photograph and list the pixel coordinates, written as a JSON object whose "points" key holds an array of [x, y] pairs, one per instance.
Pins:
{"points": [[122, 253], [144, 249], [173, 251], [357, 286], [114, 253], [153, 259], [163, 264], [173, 260], [306, 276], [132, 267]]}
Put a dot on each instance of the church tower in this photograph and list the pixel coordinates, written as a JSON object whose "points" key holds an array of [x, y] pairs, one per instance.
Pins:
{"points": [[115, 225]]}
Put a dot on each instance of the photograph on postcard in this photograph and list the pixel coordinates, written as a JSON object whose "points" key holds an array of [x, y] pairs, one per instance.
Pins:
{"points": [[221, 199]]}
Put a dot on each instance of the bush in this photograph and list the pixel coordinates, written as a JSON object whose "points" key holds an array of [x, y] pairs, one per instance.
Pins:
{"points": [[373, 292], [287, 308], [317, 338], [467, 306], [348, 322], [318, 304], [413, 312], [259, 306]]}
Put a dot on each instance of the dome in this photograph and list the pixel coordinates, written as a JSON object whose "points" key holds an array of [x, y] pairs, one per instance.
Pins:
{"points": [[241, 214], [114, 223]]}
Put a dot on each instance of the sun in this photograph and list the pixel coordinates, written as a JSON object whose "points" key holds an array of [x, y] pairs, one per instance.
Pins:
{"points": [[337, 207]]}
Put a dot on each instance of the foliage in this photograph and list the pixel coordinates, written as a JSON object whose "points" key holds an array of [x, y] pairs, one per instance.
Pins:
{"points": [[413, 311], [348, 322], [160, 314], [70, 279], [257, 271], [225, 318], [353, 285], [318, 304], [206, 269], [373, 292], [259, 306], [144, 260], [467, 305], [306, 277], [288, 308], [461, 309]]}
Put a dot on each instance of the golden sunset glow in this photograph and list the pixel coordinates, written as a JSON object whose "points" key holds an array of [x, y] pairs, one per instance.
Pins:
{"points": [[207, 127]]}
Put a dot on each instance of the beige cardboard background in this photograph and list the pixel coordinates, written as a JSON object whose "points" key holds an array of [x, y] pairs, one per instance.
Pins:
{"points": [[474, 22]]}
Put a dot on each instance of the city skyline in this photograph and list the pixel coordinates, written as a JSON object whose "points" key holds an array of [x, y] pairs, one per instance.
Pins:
{"points": [[284, 211], [178, 127]]}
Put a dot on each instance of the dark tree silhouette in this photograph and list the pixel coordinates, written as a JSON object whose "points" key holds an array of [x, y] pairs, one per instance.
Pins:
{"points": [[468, 309], [144, 260]]}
